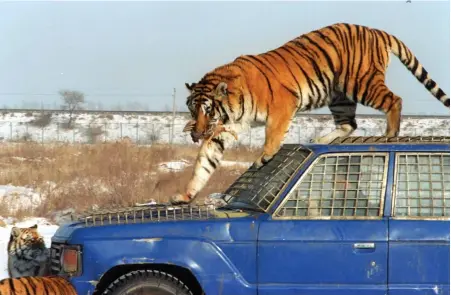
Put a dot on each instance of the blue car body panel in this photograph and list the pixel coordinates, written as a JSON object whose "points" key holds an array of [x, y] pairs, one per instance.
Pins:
{"points": [[256, 254], [220, 253], [419, 257], [318, 257]]}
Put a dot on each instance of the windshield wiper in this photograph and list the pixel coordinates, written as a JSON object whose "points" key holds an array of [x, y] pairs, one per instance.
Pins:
{"points": [[227, 203], [241, 206]]}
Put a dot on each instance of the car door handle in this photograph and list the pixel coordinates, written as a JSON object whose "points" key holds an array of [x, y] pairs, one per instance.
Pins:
{"points": [[364, 246]]}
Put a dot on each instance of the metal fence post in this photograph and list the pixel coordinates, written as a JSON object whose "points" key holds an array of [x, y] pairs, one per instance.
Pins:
{"points": [[171, 129], [104, 132], [173, 134], [10, 130]]}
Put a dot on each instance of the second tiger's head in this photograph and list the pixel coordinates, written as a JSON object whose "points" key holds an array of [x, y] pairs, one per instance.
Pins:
{"points": [[205, 105], [26, 240]]}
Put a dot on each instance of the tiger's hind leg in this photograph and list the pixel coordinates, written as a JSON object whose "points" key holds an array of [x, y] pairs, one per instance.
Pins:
{"points": [[381, 98], [392, 107], [342, 130], [343, 111]]}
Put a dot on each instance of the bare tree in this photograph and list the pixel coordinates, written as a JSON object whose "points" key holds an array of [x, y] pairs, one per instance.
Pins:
{"points": [[72, 101]]}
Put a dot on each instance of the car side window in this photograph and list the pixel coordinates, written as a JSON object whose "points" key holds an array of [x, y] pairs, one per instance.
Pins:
{"points": [[341, 186], [422, 185]]}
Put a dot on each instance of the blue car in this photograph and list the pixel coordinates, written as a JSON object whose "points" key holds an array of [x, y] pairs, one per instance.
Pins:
{"points": [[361, 215]]}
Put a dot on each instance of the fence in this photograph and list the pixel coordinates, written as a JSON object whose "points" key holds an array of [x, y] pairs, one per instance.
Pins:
{"points": [[149, 133]]}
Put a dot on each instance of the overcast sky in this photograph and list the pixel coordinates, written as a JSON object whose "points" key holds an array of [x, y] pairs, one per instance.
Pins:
{"points": [[120, 52]]}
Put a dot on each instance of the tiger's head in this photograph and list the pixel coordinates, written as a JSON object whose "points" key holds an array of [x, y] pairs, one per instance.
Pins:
{"points": [[26, 242], [205, 105]]}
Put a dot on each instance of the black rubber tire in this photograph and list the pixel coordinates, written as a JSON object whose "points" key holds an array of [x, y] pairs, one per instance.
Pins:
{"points": [[147, 282]]}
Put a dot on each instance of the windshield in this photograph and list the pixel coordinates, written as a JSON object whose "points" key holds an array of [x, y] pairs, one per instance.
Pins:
{"points": [[257, 188]]}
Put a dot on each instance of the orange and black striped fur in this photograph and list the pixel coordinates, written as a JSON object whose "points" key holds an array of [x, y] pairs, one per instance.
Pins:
{"points": [[336, 66], [27, 253], [50, 285]]}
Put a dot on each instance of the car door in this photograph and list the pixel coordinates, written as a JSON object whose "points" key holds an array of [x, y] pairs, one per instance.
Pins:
{"points": [[328, 235], [419, 259]]}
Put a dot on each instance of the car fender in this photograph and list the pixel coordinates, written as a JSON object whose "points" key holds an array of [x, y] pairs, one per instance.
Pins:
{"points": [[203, 258]]}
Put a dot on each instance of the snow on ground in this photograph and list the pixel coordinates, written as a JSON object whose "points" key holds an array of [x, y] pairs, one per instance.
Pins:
{"points": [[235, 163], [151, 128], [173, 166], [46, 229], [17, 197]]}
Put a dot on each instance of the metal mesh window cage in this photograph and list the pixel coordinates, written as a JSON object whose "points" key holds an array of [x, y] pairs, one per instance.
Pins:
{"points": [[261, 186], [422, 185], [345, 186]]}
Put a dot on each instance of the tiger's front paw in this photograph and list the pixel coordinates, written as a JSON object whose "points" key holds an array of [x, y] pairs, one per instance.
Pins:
{"points": [[180, 199], [261, 161]]}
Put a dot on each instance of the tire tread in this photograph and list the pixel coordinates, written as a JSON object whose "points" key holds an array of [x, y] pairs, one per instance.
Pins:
{"points": [[159, 276]]}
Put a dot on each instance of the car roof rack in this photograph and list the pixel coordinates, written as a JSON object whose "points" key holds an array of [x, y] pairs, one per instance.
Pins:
{"points": [[391, 140]]}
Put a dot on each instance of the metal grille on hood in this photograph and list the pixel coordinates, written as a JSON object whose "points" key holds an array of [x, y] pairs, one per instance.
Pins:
{"points": [[151, 213]]}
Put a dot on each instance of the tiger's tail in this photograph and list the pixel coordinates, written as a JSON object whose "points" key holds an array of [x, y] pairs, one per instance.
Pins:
{"points": [[406, 56]]}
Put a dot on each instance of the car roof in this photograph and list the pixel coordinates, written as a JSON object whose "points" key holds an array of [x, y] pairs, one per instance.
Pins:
{"points": [[383, 144]]}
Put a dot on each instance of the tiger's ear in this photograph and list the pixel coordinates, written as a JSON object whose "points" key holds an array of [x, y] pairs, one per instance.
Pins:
{"points": [[189, 87], [221, 90], [34, 226], [15, 231]]}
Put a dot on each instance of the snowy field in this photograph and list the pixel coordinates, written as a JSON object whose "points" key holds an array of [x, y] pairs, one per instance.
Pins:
{"points": [[16, 198], [151, 128]]}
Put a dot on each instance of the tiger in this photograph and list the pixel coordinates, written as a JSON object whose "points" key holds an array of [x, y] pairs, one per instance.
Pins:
{"points": [[336, 66], [27, 253], [31, 285]]}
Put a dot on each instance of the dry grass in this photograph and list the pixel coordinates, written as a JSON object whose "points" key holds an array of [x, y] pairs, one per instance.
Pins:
{"points": [[106, 174]]}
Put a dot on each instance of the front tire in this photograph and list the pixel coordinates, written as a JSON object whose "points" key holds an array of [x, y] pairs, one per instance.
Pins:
{"points": [[147, 282]]}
